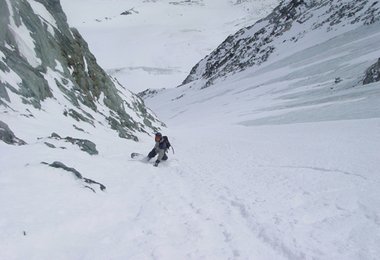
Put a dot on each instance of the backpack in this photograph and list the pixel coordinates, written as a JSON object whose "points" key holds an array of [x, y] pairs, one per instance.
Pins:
{"points": [[166, 140], [168, 145]]}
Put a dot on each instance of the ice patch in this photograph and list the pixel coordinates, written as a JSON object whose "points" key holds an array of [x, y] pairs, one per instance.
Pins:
{"points": [[58, 66], [23, 39], [44, 15], [85, 65], [11, 78]]}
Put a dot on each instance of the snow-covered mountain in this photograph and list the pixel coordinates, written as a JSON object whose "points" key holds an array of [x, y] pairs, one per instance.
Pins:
{"points": [[282, 126], [282, 33], [47, 71], [276, 159], [154, 44], [55, 100], [304, 53]]}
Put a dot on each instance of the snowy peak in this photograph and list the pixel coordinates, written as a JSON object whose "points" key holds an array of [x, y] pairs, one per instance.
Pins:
{"points": [[44, 63], [289, 25]]}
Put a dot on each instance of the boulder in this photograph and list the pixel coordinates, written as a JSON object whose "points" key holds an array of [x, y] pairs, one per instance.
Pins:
{"points": [[7, 136]]}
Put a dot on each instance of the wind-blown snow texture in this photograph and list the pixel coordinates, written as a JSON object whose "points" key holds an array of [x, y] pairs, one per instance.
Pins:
{"points": [[279, 161]]}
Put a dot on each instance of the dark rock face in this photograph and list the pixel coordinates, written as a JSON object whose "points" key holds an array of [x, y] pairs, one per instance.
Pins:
{"points": [[78, 175], [49, 145], [129, 12], [41, 58], [7, 136], [149, 93], [85, 145], [372, 74], [254, 45]]}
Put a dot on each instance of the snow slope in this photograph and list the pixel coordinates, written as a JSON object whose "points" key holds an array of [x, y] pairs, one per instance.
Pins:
{"points": [[278, 162], [295, 191], [291, 147], [157, 44], [294, 89]]}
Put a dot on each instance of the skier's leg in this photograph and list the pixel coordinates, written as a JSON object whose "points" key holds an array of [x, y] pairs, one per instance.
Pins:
{"points": [[152, 154], [161, 155]]}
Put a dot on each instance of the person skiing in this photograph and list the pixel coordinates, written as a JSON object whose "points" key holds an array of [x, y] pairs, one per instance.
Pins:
{"points": [[160, 148]]}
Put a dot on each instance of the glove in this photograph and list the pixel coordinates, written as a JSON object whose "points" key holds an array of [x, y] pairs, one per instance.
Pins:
{"points": [[156, 163]]}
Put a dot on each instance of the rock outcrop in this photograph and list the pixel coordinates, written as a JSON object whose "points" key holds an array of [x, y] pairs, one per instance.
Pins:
{"points": [[42, 58], [85, 145], [7, 136], [372, 74], [288, 23], [76, 174]]}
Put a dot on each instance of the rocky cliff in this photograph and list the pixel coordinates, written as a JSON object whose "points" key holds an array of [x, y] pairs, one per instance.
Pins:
{"points": [[279, 33], [44, 62]]}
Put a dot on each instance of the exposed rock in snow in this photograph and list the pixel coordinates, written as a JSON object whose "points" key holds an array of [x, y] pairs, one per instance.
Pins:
{"points": [[77, 174], [7, 136], [148, 93], [41, 58], [129, 12], [372, 74], [288, 23], [85, 145]]}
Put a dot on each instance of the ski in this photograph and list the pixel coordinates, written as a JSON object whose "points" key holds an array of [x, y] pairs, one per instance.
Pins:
{"points": [[137, 156]]}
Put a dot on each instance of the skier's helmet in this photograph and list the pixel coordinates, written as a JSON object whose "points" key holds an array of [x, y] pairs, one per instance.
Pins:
{"points": [[158, 136]]}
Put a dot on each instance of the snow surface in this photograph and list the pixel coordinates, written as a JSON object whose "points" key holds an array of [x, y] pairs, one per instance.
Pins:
{"points": [[24, 40], [134, 48], [274, 163], [44, 15], [298, 191]]}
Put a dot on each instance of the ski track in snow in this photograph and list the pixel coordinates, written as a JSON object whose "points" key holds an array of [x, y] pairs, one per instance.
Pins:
{"points": [[236, 188], [318, 169], [228, 199], [238, 205], [296, 191]]}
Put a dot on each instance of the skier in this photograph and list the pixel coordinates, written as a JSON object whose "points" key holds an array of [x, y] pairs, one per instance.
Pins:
{"points": [[160, 148]]}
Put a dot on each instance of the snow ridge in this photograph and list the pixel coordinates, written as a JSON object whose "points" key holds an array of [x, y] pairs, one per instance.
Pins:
{"points": [[289, 23]]}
